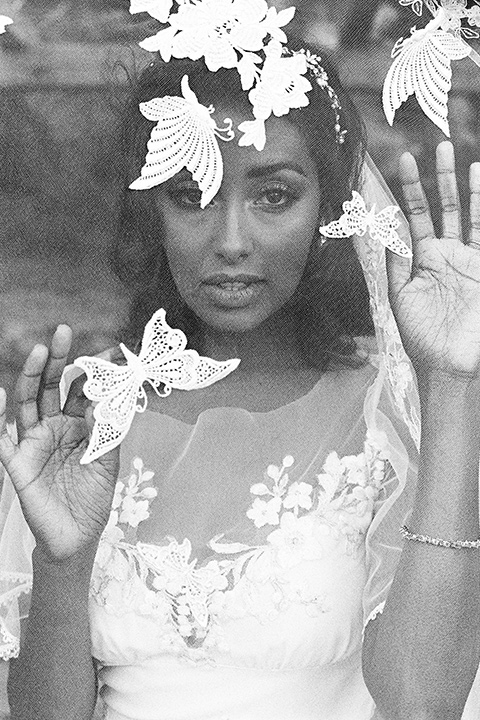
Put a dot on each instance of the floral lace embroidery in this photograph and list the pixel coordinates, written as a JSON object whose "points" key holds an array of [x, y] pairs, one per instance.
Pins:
{"points": [[191, 591], [130, 503], [119, 579], [344, 496], [166, 582]]}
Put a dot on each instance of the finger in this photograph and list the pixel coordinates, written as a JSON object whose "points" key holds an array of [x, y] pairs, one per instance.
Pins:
{"points": [[7, 448], [448, 191], [110, 354], [399, 274], [474, 236], [57, 359], [3, 411], [76, 402], [89, 418], [418, 212], [26, 392]]}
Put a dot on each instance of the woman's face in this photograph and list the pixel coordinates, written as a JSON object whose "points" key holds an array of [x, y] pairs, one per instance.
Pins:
{"points": [[239, 260]]}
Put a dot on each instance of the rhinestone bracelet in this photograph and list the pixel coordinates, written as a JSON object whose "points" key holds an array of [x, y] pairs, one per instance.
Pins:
{"points": [[457, 544]]}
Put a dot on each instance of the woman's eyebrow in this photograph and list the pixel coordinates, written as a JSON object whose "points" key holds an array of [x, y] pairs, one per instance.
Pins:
{"points": [[272, 168]]}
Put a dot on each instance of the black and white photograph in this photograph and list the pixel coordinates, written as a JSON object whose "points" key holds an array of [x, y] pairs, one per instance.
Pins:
{"points": [[239, 360]]}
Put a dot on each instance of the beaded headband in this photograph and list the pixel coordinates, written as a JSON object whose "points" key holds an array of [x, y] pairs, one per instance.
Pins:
{"points": [[226, 34]]}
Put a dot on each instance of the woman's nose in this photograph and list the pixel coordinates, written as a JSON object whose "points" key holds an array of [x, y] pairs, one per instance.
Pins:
{"points": [[233, 240]]}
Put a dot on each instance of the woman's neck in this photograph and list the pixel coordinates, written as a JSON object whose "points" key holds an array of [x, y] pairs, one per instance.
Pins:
{"points": [[272, 345]]}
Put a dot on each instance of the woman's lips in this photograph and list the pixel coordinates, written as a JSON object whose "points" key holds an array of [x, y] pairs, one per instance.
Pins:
{"points": [[233, 293]]}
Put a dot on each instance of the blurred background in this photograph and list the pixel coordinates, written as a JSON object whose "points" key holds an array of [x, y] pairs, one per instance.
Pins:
{"points": [[61, 93]]}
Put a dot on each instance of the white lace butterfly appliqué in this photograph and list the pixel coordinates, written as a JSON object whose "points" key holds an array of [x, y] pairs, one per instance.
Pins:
{"points": [[185, 136], [357, 220], [163, 363], [422, 67]]}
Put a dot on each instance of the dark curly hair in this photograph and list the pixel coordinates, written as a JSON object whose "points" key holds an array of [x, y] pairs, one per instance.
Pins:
{"points": [[331, 303]]}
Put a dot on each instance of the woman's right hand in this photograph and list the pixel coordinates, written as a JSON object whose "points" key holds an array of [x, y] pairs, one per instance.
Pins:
{"points": [[66, 505]]}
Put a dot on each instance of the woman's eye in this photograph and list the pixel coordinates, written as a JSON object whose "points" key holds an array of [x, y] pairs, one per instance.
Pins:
{"points": [[187, 196], [275, 197]]}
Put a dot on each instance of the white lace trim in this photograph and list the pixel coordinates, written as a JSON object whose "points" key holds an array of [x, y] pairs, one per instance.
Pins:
{"points": [[10, 645], [15, 592], [378, 610]]}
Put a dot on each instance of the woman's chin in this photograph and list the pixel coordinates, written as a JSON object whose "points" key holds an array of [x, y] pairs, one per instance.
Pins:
{"points": [[232, 319]]}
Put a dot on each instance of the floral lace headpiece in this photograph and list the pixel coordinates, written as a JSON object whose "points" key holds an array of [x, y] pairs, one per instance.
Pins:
{"points": [[243, 34]]}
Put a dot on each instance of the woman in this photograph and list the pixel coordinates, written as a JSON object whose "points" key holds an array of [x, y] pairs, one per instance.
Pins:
{"points": [[257, 520]]}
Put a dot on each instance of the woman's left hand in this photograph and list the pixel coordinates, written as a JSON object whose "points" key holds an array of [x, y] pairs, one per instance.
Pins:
{"points": [[436, 302]]}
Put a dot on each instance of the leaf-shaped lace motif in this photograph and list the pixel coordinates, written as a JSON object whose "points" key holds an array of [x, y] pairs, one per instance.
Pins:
{"points": [[423, 68]]}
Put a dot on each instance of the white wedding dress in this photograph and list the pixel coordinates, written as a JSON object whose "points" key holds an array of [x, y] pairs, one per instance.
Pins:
{"points": [[301, 506]]}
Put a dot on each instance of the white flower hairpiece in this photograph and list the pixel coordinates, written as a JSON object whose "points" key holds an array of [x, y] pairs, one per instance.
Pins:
{"points": [[217, 30], [422, 62], [4, 21], [226, 34]]}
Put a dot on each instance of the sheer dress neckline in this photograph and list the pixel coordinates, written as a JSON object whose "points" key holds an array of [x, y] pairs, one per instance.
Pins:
{"points": [[218, 422], [368, 369]]}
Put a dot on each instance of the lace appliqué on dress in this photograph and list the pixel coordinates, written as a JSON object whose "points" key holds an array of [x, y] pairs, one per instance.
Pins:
{"points": [[118, 578], [343, 496], [191, 600]]}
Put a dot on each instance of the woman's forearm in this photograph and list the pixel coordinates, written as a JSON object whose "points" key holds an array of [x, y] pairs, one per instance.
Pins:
{"points": [[54, 676], [422, 653]]}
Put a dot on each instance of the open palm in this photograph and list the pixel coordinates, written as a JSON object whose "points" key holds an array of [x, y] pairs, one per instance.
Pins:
{"points": [[436, 302], [65, 504]]}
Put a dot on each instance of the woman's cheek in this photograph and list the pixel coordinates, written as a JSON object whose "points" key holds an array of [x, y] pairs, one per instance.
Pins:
{"points": [[295, 247]]}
